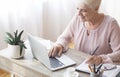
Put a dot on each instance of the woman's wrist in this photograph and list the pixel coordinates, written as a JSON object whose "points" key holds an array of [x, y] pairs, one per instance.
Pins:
{"points": [[106, 59]]}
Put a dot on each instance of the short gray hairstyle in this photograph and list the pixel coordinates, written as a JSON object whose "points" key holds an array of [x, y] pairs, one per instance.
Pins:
{"points": [[92, 3]]}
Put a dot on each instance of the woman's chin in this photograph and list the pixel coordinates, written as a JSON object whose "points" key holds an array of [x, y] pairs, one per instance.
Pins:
{"points": [[82, 20]]}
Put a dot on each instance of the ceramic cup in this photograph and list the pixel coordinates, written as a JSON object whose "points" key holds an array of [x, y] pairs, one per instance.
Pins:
{"points": [[70, 72], [95, 75]]}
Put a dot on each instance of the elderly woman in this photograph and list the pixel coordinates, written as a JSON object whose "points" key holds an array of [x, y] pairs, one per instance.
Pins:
{"points": [[90, 30]]}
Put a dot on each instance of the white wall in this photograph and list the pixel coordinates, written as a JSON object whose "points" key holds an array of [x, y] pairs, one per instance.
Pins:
{"points": [[111, 7], [44, 18]]}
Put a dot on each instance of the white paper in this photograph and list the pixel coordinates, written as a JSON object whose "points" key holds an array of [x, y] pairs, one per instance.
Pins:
{"points": [[108, 73]]}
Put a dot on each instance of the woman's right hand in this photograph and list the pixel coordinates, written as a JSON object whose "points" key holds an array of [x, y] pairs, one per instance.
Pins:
{"points": [[94, 60], [56, 50]]}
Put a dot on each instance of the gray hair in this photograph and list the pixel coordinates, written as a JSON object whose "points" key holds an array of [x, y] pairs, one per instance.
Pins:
{"points": [[92, 3]]}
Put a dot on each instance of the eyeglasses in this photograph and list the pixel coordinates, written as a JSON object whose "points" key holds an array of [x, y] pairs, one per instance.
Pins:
{"points": [[109, 67]]}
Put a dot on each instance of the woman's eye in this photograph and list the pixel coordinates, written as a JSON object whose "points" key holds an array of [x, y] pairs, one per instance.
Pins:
{"points": [[83, 10], [77, 8]]}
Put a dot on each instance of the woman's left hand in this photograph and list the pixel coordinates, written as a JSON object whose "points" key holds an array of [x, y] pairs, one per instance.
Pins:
{"points": [[94, 60]]}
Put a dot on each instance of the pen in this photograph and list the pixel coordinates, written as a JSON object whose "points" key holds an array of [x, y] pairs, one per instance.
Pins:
{"points": [[90, 68], [95, 51], [94, 68], [98, 69]]}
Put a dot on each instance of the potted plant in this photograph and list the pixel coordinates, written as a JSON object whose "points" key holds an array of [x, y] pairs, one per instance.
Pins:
{"points": [[15, 44]]}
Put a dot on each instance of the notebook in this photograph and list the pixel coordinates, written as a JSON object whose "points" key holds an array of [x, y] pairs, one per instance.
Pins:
{"points": [[83, 67]]}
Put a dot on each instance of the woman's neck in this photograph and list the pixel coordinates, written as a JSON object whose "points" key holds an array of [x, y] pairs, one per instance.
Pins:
{"points": [[95, 21]]}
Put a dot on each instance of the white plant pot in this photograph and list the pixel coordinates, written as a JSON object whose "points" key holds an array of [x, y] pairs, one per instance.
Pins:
{"points": [[15, 51]]}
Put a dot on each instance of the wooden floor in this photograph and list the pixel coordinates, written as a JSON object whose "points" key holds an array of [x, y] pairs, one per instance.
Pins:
{"points": [[4, 73]]}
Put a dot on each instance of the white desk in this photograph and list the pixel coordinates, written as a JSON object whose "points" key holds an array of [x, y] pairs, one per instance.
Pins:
{"points": [[28, 67]]}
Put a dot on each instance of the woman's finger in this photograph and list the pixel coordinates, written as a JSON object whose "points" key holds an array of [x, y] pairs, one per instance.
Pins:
{"points": [[54, 53], [60, 51], [98, 60], [95, 60], [90, 59], [50, 52]]}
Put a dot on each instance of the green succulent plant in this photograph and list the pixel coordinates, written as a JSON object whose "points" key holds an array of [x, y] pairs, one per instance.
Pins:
{"points": [[15, 39]]}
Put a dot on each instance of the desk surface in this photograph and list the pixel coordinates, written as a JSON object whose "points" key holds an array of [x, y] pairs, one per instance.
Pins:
{"points": [[28, 67]]}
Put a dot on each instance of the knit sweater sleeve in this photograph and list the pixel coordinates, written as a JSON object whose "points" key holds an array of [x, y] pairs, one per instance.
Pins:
{"points": [[114, 42], [65, 38]]}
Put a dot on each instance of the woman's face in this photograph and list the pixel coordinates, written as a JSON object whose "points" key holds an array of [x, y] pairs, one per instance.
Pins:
{"points": [[85, 13]]}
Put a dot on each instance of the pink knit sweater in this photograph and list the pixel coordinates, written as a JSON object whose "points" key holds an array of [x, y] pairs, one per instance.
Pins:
{"points": [[106, 36]]}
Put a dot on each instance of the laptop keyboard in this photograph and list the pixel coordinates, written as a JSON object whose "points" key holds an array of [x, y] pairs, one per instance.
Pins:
{"points": [[55, 63]]}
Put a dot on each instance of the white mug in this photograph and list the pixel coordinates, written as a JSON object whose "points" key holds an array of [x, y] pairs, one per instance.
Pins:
{"points": [[95, 75], [70, 72]]}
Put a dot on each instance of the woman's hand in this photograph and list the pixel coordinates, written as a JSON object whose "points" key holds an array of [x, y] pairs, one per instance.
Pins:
{"points": [[94, 60], [56, 50]]}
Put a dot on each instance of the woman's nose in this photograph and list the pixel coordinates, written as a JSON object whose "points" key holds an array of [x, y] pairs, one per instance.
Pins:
{"points": [[79, 13]]}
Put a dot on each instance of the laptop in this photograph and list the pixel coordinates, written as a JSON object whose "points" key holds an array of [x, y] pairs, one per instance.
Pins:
{"points": [[40, 53]]}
